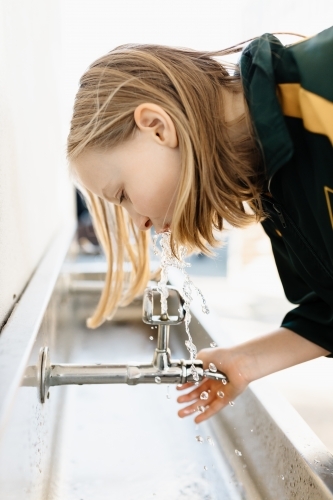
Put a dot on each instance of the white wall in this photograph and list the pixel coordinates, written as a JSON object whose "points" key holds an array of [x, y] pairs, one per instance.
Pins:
{"points": [[92, 28], [35, 193]]}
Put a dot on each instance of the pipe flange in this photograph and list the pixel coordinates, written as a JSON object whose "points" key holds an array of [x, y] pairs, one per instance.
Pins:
{"points": [[44, 373]]}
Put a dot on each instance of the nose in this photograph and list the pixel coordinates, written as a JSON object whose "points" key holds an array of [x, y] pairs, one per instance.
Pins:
{"points": [[142, 222]]}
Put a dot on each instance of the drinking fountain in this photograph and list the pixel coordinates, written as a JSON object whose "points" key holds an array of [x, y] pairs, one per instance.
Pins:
{"points": [[162, 369]]}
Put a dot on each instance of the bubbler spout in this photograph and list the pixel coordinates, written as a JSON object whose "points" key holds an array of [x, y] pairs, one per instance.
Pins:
{"points": [[162, 369]]}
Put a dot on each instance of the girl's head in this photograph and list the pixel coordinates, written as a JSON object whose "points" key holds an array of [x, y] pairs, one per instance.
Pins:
{"points": [[150, 145]]}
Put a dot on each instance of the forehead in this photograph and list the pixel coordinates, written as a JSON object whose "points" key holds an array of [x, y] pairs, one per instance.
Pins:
{"points": [[95, 170]]}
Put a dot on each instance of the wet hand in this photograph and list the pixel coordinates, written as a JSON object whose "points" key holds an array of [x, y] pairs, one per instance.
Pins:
{"points": [[210, 396]]}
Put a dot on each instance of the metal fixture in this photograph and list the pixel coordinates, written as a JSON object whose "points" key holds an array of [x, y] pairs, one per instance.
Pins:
{"points": [[161, 370]]}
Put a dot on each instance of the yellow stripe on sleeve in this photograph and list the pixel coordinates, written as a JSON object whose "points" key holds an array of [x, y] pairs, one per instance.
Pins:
{"points": [[315, 111]]}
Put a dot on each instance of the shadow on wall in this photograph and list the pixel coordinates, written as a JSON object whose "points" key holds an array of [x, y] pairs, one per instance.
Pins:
{"points": [[85, 233]]}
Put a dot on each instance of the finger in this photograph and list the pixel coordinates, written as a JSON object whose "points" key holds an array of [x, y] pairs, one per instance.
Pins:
{"points": [[214, 407], [181, 387], [189, 410], [195, 394]]}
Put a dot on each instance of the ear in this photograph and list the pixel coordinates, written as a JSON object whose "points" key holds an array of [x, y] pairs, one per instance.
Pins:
{"points": [[152, 119]]}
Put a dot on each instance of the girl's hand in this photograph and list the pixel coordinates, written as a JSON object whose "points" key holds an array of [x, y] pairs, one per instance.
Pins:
{"points": [[243, 364], [219, 395]]}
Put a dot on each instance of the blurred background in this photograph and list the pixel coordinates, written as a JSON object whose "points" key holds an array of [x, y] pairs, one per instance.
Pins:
{"points": [[44, 49]]}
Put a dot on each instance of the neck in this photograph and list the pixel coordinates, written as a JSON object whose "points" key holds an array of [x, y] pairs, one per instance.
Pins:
{"points": [[233, 103], [235, 114], [242, 135]]}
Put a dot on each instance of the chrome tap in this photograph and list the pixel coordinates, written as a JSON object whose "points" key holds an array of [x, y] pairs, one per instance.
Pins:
{"points": [[162, 369]]}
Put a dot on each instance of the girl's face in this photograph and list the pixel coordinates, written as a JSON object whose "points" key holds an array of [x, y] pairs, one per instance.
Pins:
{"points": [[142, 175]]}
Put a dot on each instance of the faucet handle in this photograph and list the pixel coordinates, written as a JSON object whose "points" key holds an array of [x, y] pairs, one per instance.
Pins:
{"points": [[158, 319]]}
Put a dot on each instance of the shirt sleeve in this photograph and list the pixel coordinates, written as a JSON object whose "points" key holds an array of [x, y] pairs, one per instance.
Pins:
{"points": [[313, 317]]}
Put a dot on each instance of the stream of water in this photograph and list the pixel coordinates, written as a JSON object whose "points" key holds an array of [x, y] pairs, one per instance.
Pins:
{"points": [[169, 260]]}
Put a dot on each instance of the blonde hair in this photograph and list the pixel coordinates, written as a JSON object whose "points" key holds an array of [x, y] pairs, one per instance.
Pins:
{"points": [[219, 172]]}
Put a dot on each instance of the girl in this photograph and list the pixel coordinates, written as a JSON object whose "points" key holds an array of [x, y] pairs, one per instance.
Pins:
{"points": [[173, 139]]}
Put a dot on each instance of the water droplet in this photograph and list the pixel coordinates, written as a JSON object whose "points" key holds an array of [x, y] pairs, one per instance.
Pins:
{"points": [[231, 403], [204, 395], [152, 327], [158, 380], [213, 344], [205, 467], [200, 439], [168, 395], [212, 367], [220, 394], [238, 453], [282, 477], [224, 382], [316, 461], [210, 441], [151, 338], [200, 408]]}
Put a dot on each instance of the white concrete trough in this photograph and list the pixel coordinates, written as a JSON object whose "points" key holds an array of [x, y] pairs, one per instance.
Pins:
{"points": [[115, 441]]}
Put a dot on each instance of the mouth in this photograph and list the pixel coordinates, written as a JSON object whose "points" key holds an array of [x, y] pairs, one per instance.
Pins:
{"points": [[164, 230]]}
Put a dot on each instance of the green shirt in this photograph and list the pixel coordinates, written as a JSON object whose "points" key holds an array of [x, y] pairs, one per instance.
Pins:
{"points": [[289, 90]]}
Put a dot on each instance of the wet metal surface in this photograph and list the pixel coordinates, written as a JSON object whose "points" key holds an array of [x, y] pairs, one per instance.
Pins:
{"points": [[128, 442], [112, 442]]}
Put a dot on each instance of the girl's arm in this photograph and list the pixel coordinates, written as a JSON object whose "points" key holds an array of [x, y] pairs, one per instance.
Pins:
{"points": [[243, 364]]}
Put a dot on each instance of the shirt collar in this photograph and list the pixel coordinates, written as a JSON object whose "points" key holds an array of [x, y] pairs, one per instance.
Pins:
{"points": [[257, 73]]}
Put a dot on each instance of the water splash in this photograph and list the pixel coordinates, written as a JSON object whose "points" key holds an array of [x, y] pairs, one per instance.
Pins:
{"points": [[169, 260]]}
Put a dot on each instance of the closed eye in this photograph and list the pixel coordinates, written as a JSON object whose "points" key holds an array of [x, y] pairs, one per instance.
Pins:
{"points": [[122, 197]]}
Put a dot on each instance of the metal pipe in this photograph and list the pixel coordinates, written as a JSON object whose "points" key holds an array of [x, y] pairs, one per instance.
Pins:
{"points": [[66, 374], [163, 337], [162, 369]]}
